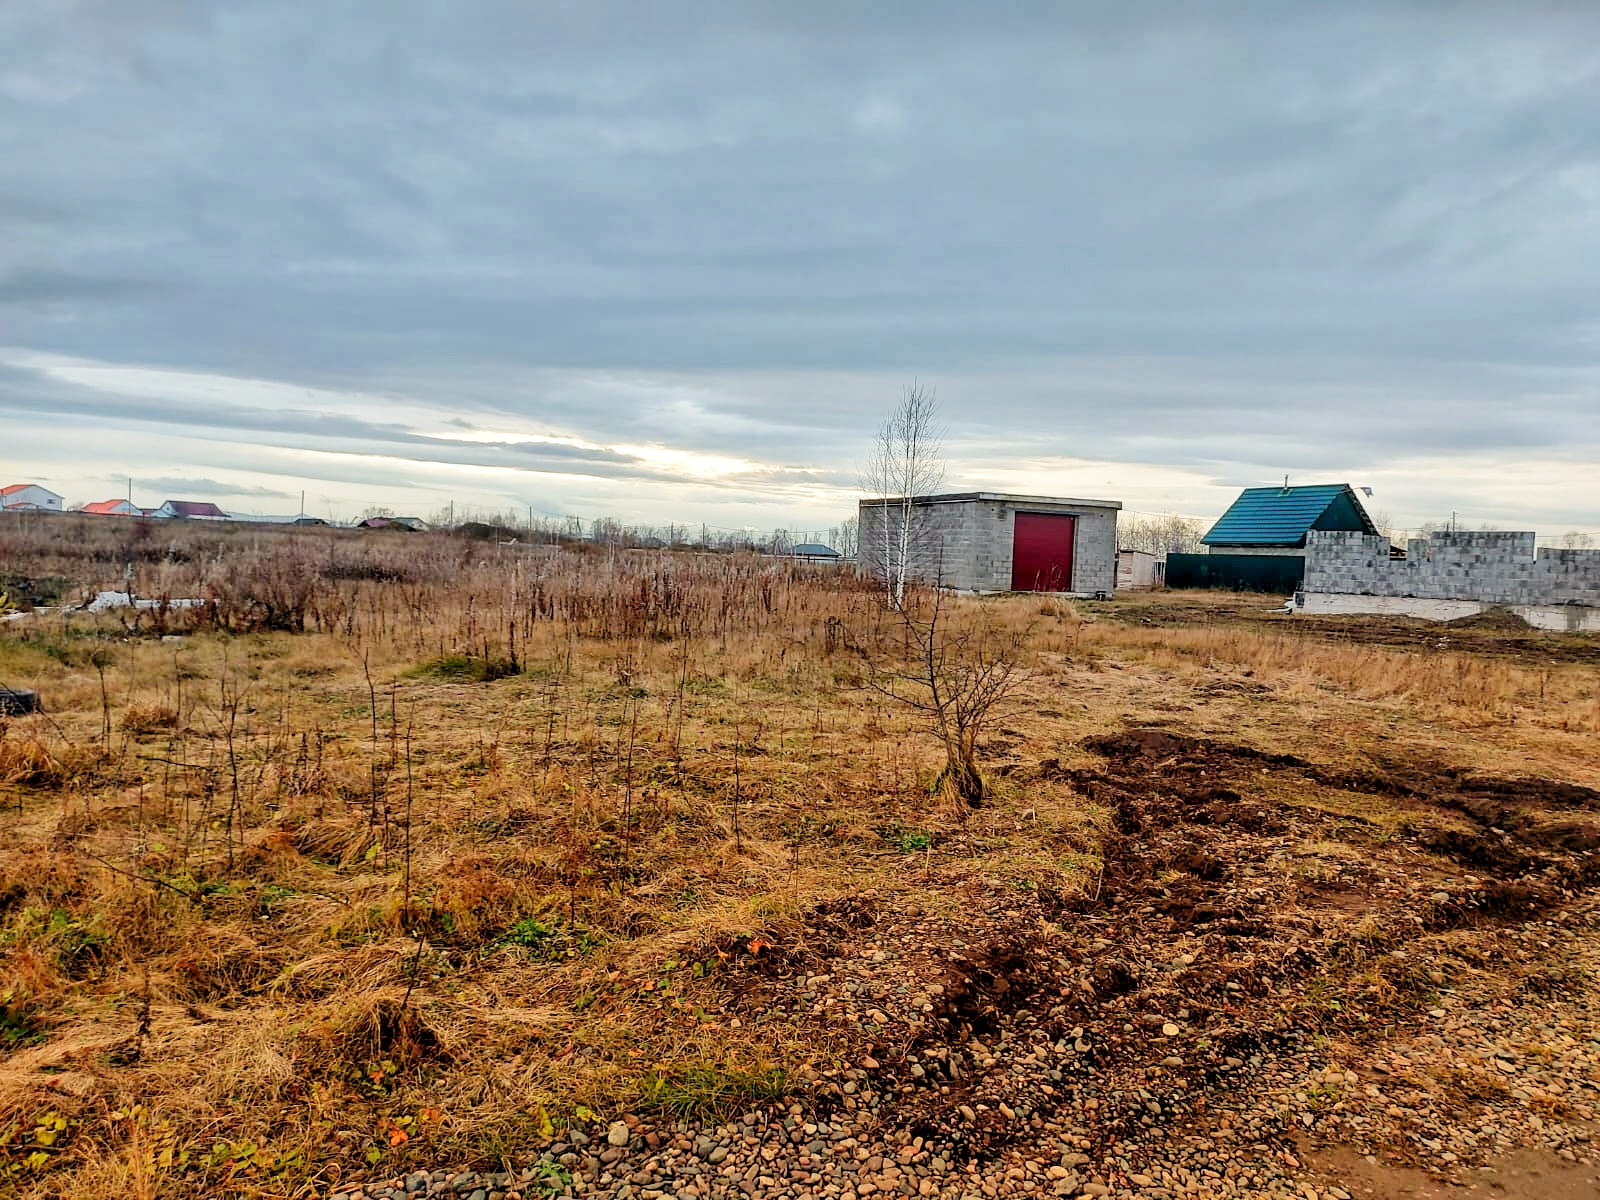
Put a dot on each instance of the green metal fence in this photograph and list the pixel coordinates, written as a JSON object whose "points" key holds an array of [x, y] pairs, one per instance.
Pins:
{"points": [[1237, 572]]}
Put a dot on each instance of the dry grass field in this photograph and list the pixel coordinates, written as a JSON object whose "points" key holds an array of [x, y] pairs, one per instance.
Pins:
{"points": [[409, 852]]}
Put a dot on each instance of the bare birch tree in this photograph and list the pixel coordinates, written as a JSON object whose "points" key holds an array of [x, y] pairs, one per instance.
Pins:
{"points": [[907, 462]]}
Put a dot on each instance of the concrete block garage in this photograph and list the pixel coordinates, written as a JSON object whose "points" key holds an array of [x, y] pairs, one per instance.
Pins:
{"points": [[993, 542]]}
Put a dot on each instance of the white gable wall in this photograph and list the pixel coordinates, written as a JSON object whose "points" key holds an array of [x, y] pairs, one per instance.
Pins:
{"points": [[33, 497]]}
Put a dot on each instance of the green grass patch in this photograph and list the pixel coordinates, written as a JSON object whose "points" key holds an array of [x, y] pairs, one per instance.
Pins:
{"points": [[530, 933], [702, 1093], [18, 1026], [79, 946], [907, 841], [546, 942]]}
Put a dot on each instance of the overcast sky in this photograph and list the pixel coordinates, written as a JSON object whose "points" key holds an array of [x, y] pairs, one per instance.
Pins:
{"points": [[671, 261]]}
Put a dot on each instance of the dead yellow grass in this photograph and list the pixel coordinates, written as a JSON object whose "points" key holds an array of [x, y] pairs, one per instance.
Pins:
{"points": [[30, 762], [1462, 685]]}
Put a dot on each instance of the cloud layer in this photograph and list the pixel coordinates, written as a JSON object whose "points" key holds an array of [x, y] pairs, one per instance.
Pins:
{"points": [[673, 261]]}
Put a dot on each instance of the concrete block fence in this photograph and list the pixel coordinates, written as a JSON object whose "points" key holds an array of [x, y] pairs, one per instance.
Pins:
{"points": [[1493, 568]]}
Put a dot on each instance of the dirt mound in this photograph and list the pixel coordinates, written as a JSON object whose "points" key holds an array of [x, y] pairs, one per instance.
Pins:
{"points": [[1165, 744], [1493, 619], [1190, 850], [1156, 776], [1143, 743], [984, 991], [1524, 792]]}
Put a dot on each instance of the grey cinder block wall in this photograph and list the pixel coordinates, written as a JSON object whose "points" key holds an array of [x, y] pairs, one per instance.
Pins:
{"points": [[1491, 567], [964, 540]]}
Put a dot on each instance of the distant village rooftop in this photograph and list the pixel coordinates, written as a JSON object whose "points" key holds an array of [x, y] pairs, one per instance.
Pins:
{"points": [[190, 510], [814, 550]]}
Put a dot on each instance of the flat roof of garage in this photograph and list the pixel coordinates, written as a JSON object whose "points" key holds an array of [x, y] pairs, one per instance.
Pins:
{"points": [[1005, 497]]}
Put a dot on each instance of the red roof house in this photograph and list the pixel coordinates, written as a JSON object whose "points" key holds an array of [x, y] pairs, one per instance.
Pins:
{"points": [[114, 508]]}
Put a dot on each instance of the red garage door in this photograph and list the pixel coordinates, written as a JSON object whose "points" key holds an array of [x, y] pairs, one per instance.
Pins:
{"points": [[1041, 553]]}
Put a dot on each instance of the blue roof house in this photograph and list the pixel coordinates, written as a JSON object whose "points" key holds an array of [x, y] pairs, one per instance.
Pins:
{"points": [[1275, 520]]}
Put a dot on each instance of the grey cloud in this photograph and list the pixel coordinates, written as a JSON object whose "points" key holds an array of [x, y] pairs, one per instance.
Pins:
{"points": [[182, 488], [41, 286]]}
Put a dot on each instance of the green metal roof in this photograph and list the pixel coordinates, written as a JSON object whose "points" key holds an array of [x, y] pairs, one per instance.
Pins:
{"points": [[1278, 516]]}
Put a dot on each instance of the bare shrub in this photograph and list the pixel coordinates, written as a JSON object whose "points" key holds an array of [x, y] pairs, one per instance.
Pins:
{"points": [[954, 665]]}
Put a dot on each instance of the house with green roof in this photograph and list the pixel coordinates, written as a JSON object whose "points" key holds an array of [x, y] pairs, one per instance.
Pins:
{"points": [[1276, 520], [1259, 544]]}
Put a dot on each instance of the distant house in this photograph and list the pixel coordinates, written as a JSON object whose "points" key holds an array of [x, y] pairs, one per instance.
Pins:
{"points": [[1258, 545], [412, 524], [29, 497], [189, 510], [814, 552], [1275, 520], [114, 508]]}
